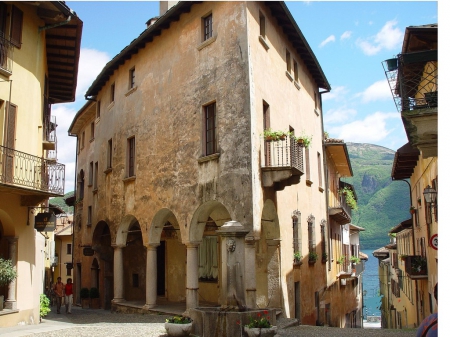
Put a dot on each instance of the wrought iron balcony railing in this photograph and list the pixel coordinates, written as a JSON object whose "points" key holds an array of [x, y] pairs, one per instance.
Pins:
{"points": [[416, 266], [413, 79], [6, 54], [50, 129], [286, 153], [25, 170]]}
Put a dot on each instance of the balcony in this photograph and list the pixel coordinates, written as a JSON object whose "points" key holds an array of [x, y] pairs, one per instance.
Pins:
{"points": [[413, 80], [49, 133], [281, 162], [351, 270], [338, 209], [31, 174], [416, 267], [6, 56]]}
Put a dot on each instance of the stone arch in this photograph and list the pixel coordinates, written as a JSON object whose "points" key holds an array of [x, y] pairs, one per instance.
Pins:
{"points": [[122, 230], [161, 218], [6, 224], [268, 278], [210, 209]]}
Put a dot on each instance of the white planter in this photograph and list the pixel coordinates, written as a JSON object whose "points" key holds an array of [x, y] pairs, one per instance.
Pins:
{"points": [[260, 332], [178, 330]]}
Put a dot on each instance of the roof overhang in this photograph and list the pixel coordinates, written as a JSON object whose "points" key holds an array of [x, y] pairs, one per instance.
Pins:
{"points": [[405, 160], [407, 224], [339, 154], [85, 114]]}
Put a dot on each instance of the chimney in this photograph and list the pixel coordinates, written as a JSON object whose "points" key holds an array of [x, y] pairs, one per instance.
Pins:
{"points": [[164, 6]]}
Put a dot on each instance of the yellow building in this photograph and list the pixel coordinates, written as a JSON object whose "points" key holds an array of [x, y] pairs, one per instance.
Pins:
{"points": [[39, 52], [171, 148], [413, 77]]}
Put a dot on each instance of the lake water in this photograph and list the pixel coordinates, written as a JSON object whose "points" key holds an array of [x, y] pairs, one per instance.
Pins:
{"points": [[371, 286]]}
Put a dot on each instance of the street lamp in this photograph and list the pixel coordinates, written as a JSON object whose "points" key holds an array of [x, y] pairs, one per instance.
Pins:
{"points": [[429, 195]]}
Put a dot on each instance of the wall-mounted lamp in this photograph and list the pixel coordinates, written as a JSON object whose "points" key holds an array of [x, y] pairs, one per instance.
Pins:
{"points": [[430, 195]]}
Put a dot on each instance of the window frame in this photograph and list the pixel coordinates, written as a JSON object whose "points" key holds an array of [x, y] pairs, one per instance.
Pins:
{"points": [[131, 157], [91, 173], [208, 131], [69, 249], [262, 25], [97, 112], [89, 216], [207, 27], [92, 130], [132, 78], [16, 28], [109, 154], [112, 92], [96, 176]]}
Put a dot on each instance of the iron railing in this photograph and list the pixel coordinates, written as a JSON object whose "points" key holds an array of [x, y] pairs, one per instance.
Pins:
{"points": [[25, 170], [282, 153], [413, 79], [6, 54], [49, 126]]}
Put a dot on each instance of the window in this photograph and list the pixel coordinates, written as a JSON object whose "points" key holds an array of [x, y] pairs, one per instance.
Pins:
{"points": [[69, 249], [81, 185], [262, 25], [131, 149], [288, 61], [296, 233], [323, 236], [82, 139], [92, 130], [295, 71], [307, 167], [207, 27], [266, 126], [109, 155], [16, 26], [210, 129], [311, 234], [207, 259], [132, 78], [319, 167], [98, 108], [68, 269], [96, 175], [91, 173], [89, 216], [113, 89]]}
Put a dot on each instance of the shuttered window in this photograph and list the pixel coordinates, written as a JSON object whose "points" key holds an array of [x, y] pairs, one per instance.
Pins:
{"points": [[16, 26]]}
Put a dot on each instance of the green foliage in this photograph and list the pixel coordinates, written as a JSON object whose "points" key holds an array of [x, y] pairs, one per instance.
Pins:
{"points": [[179, 320], [382, 202], [44, 307], [312, 257], [341, 259], [84, 293], [260, 322], [305, 139], [349, 197], [297, 256], [7, 272], [355, 259], [94, 293], [272, 135], [324, 257], [59, 201]]}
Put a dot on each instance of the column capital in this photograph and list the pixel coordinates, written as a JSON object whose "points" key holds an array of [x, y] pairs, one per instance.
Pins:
{"points": [[193, 244], [117, 246], [152, 246]]}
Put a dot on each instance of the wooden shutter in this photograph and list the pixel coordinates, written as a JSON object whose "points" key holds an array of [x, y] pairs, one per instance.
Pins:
{"points": [[16, 26]]}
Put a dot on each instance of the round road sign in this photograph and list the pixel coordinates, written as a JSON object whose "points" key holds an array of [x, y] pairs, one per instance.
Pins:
{"points": [[433, 241]]}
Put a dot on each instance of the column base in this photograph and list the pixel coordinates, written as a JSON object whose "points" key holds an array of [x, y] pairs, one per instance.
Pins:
{"points": [[148, 306], [11, 305], [118, 300]]}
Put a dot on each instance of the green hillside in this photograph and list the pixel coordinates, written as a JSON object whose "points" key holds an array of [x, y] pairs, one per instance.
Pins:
{"points": [[59, 201], [382, 203]]}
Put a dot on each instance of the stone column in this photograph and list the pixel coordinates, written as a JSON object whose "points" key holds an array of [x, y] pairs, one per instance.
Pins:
{"points": [[192, 275], [151, 277], [11, 302], [250, 272], [273, 272], [118, 273]]}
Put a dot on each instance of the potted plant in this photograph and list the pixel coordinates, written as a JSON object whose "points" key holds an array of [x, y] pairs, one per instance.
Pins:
{"points": [[341, 260], [272, 135], [349, 197], [94, 295], [260, 327], [419, 265], [7, 275], [84, 295], [178, 326], [297, 258], [312, 257], [324, 257], [304, 140], [403, 257], [392, 64], [44, 306], [412, 210], [355, 259]]}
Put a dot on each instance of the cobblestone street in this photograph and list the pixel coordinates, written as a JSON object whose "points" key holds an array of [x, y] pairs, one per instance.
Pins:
{"points": [[89, 322]]}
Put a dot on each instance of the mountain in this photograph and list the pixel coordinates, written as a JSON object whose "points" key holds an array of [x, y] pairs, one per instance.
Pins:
{"points": [[382, 202], [59, 201]]}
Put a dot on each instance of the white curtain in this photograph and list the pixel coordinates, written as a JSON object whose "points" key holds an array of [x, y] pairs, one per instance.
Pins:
{"points": [[208, 258]]}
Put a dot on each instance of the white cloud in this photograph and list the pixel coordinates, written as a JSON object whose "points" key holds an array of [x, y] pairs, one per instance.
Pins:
{"points": [[389, 38], [378, 91], [91, 64], [346, 35], [338, 94], [339, 115], [372, 129], [329, 39]]}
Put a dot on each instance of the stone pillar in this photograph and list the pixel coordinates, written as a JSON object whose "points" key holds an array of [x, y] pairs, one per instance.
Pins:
{"points": [[151, 277], [118, 273], [192, 275], [232, 294], [11, 302], [250, 272], [273, 272]]}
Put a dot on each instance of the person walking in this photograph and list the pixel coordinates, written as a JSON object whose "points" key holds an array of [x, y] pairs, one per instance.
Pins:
{"points": [[429, 326], [59, 292], [68, 290]]}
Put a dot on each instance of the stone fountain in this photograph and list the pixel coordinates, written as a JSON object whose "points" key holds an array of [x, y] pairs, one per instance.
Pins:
{"points": [[230, 318]]}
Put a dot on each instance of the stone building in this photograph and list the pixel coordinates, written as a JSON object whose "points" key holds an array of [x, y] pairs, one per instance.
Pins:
{"points": [[39, 52], [170, 148]]}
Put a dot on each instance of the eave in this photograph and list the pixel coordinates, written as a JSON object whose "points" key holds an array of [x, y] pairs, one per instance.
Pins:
{"points": [[339, 154], [405, 160]]}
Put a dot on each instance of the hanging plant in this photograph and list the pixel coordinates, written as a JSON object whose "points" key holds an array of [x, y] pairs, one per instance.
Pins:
{"points": [[349, 197]]}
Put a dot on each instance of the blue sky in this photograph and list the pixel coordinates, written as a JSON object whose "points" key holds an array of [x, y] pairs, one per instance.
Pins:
{"points": [[350, 40]]}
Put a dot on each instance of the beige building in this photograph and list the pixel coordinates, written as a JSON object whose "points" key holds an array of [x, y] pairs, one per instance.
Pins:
{"points": [[413, 77], [39, 51]]}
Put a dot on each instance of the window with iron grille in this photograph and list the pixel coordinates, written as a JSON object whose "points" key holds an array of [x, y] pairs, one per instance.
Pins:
{"points": [[207, 27], [311, 234], [131, 149], [296, 239], [210, 129]]}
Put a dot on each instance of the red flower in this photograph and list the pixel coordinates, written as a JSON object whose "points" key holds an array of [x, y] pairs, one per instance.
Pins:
{"points": [[266, 312], [238, 322], [259, 314]]}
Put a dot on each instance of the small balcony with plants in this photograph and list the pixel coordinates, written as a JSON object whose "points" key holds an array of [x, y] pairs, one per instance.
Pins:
{"points": [[282, 158], [340, 206], [416, 266]]}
